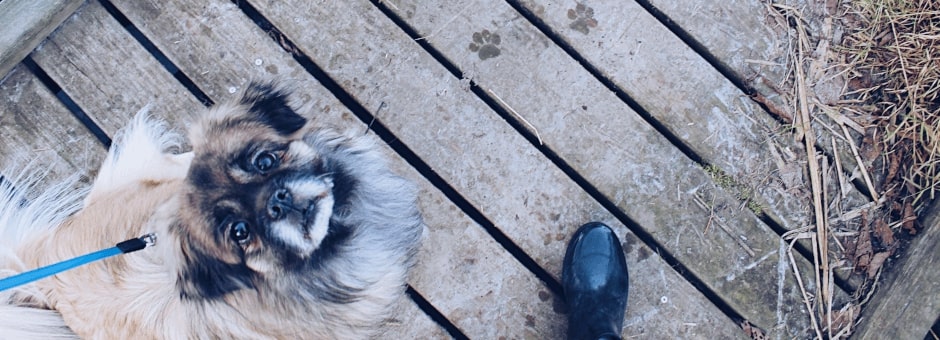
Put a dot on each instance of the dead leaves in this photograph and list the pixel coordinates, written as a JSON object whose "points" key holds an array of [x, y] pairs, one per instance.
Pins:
{"points": [[884, 237], [909, 217], [753, 332], [876, 243]]}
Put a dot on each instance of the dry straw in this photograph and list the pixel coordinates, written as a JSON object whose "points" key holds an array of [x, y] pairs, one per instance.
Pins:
{"points": [[894, 55], [890, 56]]}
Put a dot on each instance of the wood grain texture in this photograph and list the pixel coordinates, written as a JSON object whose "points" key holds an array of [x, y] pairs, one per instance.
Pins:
{"points": [[25, 24], [109, 74], [753, 155], [751, 42], [38, 133], [741, 34], [754, 46], [690, 98], [408, 321]]}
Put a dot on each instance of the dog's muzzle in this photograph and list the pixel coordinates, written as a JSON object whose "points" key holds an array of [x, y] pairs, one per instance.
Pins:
{"points": [[281, 203], [299, 214]]}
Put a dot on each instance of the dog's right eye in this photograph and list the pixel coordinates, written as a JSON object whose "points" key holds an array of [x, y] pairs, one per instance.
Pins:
{"points": [[265, 161], [239, 233]]}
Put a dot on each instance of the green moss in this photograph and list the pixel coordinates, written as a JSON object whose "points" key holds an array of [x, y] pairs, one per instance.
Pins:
{"points": [[757, 208], [728, 183], [723, 180]]}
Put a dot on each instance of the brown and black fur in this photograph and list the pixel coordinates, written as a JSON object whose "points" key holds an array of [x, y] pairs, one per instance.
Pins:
{"points": [[269, 228]]}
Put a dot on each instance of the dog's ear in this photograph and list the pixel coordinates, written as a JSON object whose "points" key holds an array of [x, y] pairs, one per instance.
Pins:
{"points": [[270, 104]]}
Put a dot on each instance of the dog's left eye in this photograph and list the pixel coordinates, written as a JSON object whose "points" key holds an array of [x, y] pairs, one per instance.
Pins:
{"points": [[265, 161], [239, 232]]}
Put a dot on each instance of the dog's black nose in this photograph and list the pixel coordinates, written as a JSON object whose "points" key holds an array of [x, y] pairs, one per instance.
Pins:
{"points": [[279, 203]]}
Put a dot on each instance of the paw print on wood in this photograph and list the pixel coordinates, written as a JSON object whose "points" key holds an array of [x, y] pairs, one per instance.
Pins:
{"points": [[582, 18], [485, 44]]}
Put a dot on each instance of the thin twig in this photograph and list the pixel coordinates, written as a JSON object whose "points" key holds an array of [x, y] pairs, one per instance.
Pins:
{"points": [[838, 162], [716, 220], [821, 244], [501, 101], [825, 268], [861, 165], [799, 282], [446, 23], [901, 59]]}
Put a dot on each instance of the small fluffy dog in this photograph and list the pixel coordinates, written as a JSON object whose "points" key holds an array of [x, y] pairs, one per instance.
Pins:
{"points": [[269, 228]]}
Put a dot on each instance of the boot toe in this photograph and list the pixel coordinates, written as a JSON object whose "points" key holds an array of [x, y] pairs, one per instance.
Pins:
{"points": [[595, 281], [594, 260]]}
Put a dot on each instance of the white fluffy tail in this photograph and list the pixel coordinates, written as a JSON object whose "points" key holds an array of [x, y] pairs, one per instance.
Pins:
{"points": [[27, 209], [33, 323]]}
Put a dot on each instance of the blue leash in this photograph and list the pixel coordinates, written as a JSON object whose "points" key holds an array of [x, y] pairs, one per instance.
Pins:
{"points": [[124, 247]]}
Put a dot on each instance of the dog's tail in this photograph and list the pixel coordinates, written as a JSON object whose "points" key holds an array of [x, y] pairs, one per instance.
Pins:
{"points": [[32, 323], [27, 209]]}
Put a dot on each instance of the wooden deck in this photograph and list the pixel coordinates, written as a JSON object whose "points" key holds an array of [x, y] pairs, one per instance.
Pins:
{"points": [[519, 121]]}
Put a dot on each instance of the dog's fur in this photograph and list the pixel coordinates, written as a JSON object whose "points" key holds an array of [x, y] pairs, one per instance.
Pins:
{"points": [[269, 228]]}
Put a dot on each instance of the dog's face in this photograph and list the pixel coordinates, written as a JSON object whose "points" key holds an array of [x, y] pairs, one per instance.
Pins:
{"points": [[258, 201]]}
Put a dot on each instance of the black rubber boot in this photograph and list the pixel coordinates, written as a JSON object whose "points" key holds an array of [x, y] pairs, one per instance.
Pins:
{"points": [[594, 276]]}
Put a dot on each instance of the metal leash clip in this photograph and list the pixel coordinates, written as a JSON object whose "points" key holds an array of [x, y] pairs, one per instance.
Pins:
{"points": [[150, 239]]}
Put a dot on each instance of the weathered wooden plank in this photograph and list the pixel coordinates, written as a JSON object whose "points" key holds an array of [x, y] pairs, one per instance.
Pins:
{"points": [[92, 52], [579, 119], [909, 304], [751, 153], [407, 326], [742, 35], [25, 24], [423, 93], [38, 132], [756, 45], [488, 293], [410, 322], [694, 101]]}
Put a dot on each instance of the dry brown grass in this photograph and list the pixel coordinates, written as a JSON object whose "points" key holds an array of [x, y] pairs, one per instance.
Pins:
{"points": [[889, 57], [894, 55]]}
